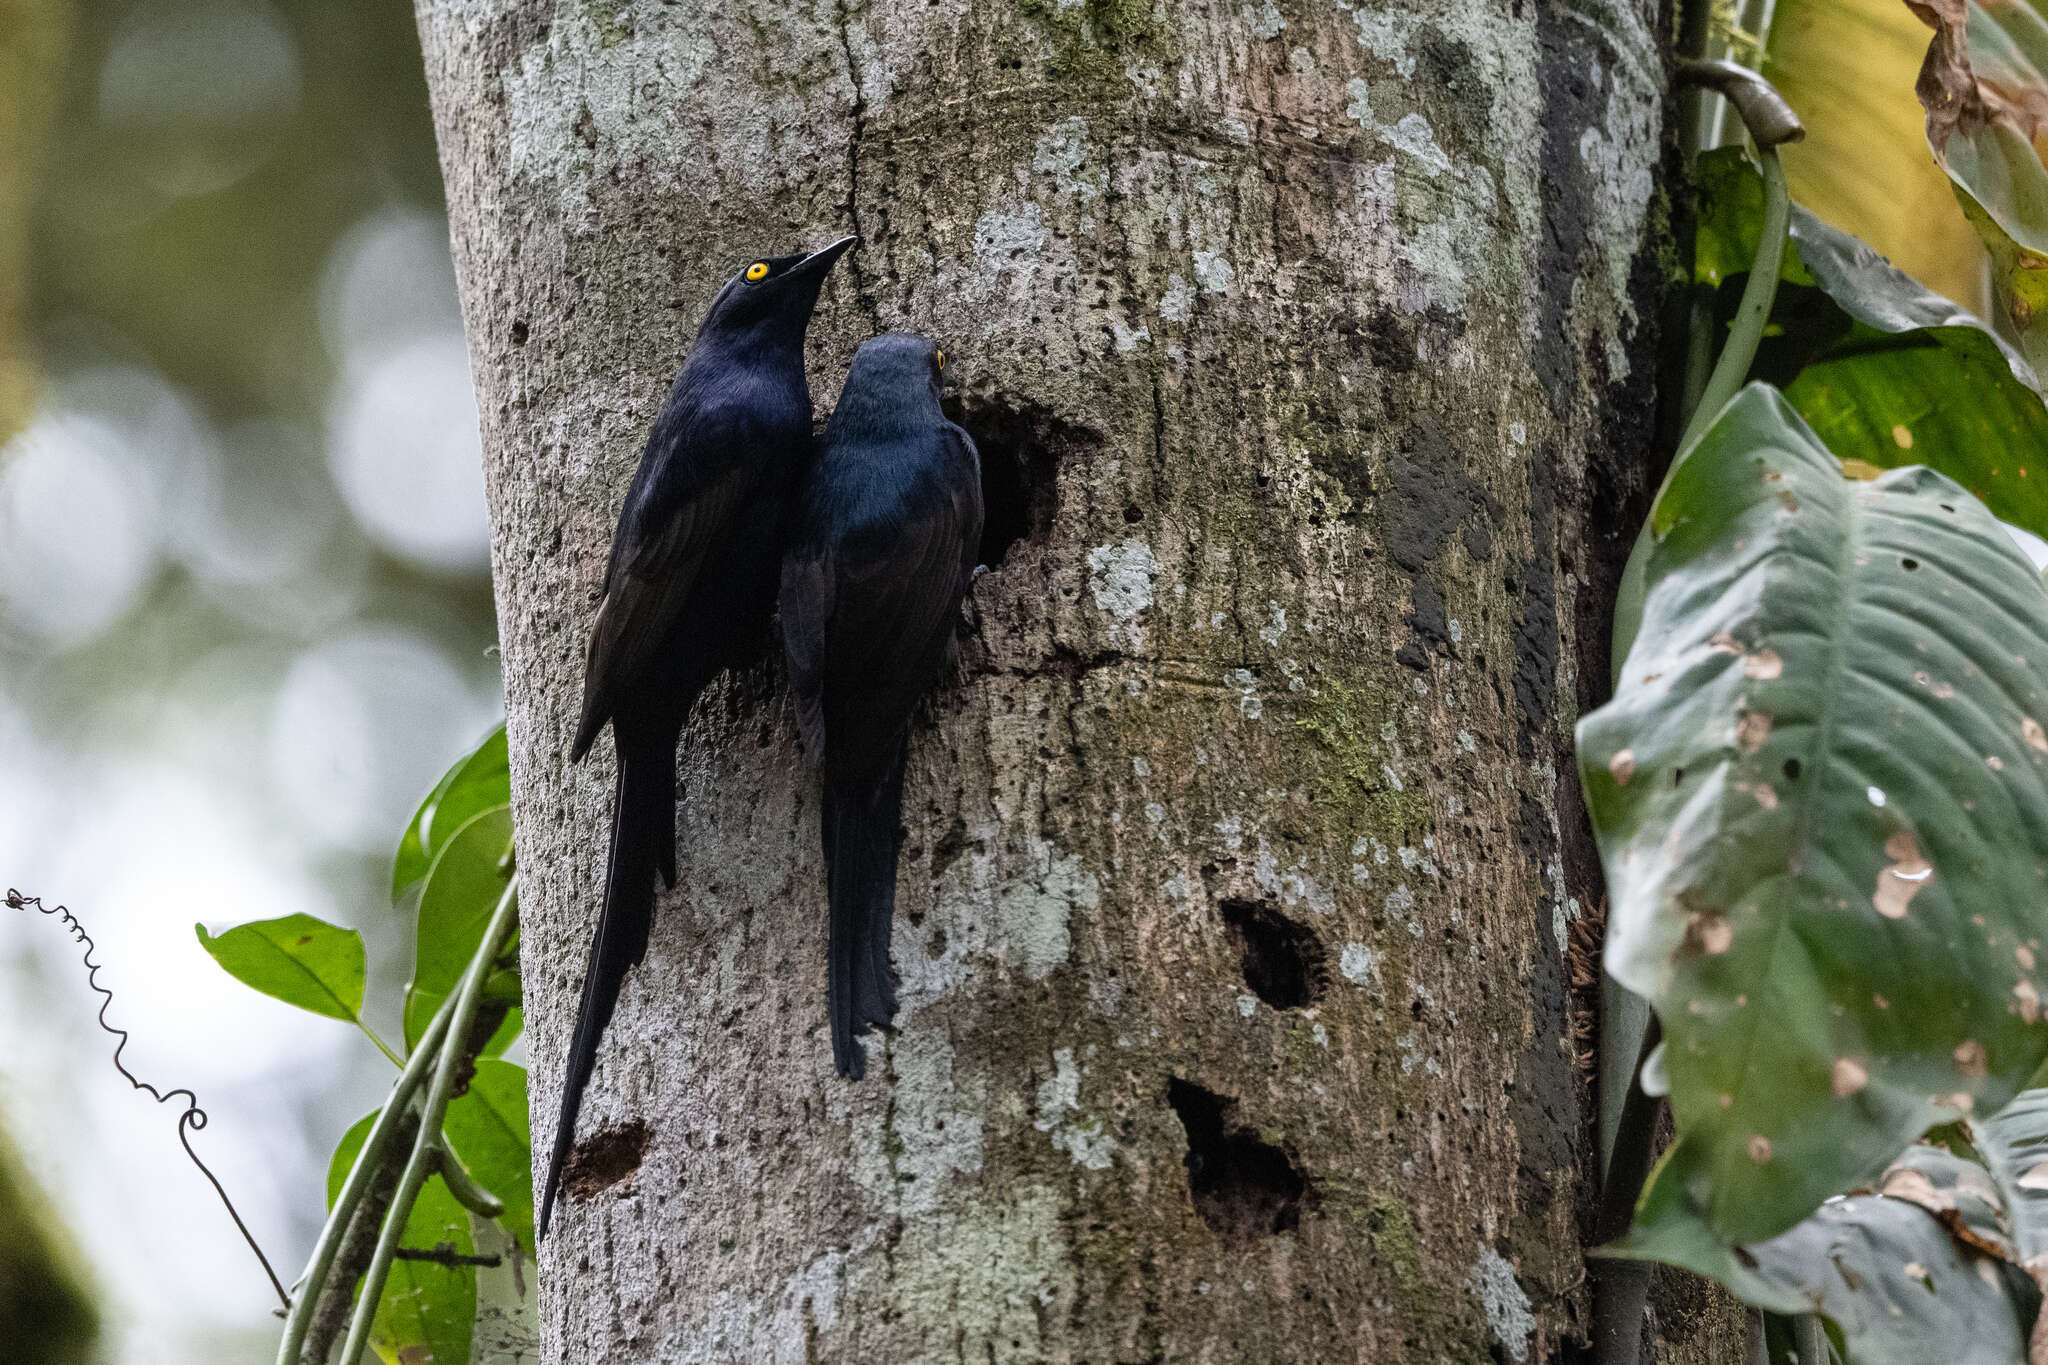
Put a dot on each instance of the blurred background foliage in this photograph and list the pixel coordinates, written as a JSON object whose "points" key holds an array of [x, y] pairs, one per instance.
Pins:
{"points": [[46, 1313], [31, 55], [245, 615]]}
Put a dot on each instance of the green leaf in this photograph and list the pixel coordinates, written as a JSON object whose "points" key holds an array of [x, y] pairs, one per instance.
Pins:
{"points": [[1821, 796], [462, 888], [2014, 1147], [479, 781], [413, 859], [1938, 1264], [1886, 372], [1887, 1274], [300, 960], [487, 1126], [1957, 1190], [425, 1307], [1916, 380]]}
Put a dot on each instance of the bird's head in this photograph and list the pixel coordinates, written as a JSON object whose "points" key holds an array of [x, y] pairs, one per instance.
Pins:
{"points": [[771, 297], [896, 375]]}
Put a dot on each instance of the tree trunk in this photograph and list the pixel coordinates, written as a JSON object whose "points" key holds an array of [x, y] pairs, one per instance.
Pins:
{"points": [[1308, 352]]}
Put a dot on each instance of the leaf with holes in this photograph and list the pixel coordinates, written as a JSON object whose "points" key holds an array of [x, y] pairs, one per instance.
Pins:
{"points": [[428, 1311], [1936, 1266], [2013, 1145], [1885, 371], [1896, 1285], [298, 959], [1821, 796], [479, 781]]}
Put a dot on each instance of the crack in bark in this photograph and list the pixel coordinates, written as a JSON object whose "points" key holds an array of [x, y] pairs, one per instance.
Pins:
{"points": [[843, 12]]}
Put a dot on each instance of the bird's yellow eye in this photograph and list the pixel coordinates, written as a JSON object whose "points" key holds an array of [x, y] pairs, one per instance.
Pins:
{"points": [[758, 271], [939, 359]]}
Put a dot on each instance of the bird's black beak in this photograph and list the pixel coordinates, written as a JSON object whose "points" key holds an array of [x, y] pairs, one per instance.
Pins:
{"points": [[818, 262]]}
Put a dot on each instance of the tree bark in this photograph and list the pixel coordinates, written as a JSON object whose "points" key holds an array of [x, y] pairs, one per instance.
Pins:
{"points": [[1308, 349]]}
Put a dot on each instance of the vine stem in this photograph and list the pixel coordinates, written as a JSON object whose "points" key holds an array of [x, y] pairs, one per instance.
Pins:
{"points": [[382, 1046], [1744, 335], [299, 1320], [1622, 1287], [1811, 1340], [427, 1145], [193, 1118], [1758, 295]]}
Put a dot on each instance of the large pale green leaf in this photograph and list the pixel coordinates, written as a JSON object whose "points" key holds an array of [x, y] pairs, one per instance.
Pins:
{"points": [[1848, 67], [488, 1127], [298, 959], [1886, 372], [1934, 1268], [1956, 1189], [1821, 795], [1994, 1194], [1898, 1287], [426, 1308], [479, 781], [1988, 1184], [2013, 1145], [470, 873]]}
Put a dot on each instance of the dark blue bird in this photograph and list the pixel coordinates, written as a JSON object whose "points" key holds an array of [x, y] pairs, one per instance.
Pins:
{"points": [[880, 555], [690, 586]]}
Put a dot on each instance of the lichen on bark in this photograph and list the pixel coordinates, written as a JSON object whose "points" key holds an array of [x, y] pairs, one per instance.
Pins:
{"points": [[1294, 337]]}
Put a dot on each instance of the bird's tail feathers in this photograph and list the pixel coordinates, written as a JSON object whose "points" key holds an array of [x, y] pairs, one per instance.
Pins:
{"points": [[859, 825], [643, 844]]}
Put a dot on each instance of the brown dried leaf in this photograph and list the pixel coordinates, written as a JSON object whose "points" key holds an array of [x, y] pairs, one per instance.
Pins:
{"points": [[1956, 98], [1946, 87]]}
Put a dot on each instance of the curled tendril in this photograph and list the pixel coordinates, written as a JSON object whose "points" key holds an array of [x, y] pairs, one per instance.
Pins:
{"points": [[193, 1118]]}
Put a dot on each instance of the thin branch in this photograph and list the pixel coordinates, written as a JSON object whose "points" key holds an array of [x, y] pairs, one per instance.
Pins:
{"points": [[444, 1253], [420, 1165], [333, 1302], [382, 1046], [1622, 1287], [468, 1191], [379, 1151]]}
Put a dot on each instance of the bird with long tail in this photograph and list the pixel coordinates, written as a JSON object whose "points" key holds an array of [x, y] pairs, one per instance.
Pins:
{"points": [[880, 555], [691, 584]]}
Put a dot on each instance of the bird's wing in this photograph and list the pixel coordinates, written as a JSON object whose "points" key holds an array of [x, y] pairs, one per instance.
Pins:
{"points": [[893, 610], [678, 515], [806, 604]]}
